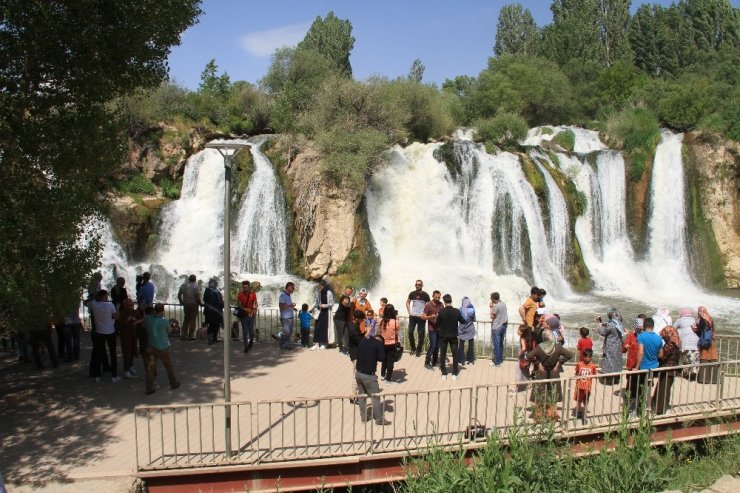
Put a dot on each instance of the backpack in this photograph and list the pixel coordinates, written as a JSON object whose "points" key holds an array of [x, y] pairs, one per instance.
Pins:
{"points": [[705, 339]]}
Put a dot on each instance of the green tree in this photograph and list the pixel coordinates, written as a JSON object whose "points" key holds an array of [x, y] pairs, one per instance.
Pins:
{"points": [[61, 64], [213, 84], [516, 32], [416, 72], [332, 37], [714, 24], [614, 17], [575, 32]]}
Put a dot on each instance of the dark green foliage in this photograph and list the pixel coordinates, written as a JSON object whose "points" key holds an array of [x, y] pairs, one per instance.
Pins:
{"points": [[516, 32], [213, 84], [638, 132], [60, 139], [332, 38], [504, 130], [170, 190], [565, 139], [137, 184]]}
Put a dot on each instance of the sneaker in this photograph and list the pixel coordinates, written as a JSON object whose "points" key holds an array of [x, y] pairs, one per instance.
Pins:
{"points": [[314, 347], [390, 382], [174, 385], [382, 422], [491, 363], [115, 379], [322, 347], [444, 377], [274, 336], [127, 374], [132, 371], [428, 366], [455, 377]]}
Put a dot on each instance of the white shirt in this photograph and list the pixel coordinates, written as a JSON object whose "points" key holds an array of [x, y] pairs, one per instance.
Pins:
{"points": [[103, 312]]}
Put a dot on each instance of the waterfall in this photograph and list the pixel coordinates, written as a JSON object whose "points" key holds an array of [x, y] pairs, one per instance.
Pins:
{"points": [[260, 237], [191, 230], [667, 225], [586, 141], [558, 230]]}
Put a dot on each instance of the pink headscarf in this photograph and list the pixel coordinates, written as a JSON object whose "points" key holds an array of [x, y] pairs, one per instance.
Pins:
{"points": [[703, 313]]}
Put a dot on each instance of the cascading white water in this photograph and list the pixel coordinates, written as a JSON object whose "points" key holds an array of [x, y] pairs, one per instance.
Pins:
{"points": [[191, 230], [260, 237], [586, 141], [454, 232], [667, 225], [558, 230]]}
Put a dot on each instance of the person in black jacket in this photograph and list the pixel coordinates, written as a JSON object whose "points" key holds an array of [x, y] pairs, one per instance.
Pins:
{"points": [[447, 320], [369, 352], [213, 302]]}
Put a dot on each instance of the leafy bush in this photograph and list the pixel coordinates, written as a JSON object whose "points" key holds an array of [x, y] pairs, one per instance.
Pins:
{"points": [[565, 139], [638, 132], [137, 184], [429, 110], [169, 189], [350, 155], [504, 130]]}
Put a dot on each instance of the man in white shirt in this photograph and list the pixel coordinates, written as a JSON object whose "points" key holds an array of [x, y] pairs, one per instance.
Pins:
{"points": [[104, 332]]}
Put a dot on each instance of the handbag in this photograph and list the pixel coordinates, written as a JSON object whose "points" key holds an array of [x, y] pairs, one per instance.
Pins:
{"points": [[315, 313], [475, 430], [399, 351]]}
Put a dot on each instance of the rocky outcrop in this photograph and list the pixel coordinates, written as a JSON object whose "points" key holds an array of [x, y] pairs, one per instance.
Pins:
{"points": [[325, 220], [134, 223], [713, 173]]}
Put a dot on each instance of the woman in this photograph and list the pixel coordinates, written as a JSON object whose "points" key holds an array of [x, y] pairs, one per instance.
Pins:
{"points": [[466, 332], [324, 303], [551, 357], [686, 327], [707, 374], [668, 356], [630, 348], [389, 330], [613, 334]]}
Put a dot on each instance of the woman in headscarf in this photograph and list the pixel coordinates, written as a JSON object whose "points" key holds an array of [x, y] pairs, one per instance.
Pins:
{"points": [[613, 334], [551, 357], [466, 333], [686, 327], [630, 348], [707, 354], [662, 318], [668, 356]]}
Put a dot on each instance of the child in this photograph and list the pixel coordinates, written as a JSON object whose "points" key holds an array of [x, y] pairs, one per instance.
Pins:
{"points": [[585, 369], [584, 342], [383, 302], [369, 323], [305, 319]]}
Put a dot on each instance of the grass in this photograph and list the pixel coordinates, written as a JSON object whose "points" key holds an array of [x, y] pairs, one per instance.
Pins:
{"points": [[565, 139], [137, 184]]}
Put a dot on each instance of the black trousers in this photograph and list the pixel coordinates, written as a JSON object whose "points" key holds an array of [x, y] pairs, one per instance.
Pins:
{"points": [[443, 343]]}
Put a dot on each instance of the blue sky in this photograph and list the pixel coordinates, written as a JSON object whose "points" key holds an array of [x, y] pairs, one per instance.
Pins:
{"points": [[450, 38]]}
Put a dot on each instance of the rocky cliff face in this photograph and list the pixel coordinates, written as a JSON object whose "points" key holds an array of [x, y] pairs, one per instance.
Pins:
{"points": [[713, 172], [326, 226]]}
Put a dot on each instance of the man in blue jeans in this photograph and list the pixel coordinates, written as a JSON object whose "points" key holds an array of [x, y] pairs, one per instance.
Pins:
{"points": [[431, 310], [500, 320], [415, 306]]}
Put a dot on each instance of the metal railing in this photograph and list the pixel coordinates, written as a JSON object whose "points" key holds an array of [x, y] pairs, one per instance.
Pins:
{"points": [[192, 435]]}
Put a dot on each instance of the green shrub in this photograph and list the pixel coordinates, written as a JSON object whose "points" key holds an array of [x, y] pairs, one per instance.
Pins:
{"points": [[349, 156], [137, 184], [638, 132], [169, 189], [504, 130], [565, 139]]}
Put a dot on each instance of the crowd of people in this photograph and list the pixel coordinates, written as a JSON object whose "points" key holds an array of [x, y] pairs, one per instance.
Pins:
{"points": [[368, 337]]}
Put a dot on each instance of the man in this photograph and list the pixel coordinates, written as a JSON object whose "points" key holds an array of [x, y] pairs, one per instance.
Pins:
{"points": [[369, 352], [246, 302], [118, 293], [415, 303], [287, 314], [189, 298], [341, 321], [361, 303], [431, 310], [156, 329], [213, 310], [447, 323], [649, 351], [145, 293], [529, 306], [104, 333], [500, 319]]}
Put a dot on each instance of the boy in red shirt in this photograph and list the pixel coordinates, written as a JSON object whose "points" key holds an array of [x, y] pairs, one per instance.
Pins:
{"points": [[585, 369], [584, 342]]}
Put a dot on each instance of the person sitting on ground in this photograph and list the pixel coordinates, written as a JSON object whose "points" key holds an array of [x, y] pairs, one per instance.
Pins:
{"points": [[156, 329]]}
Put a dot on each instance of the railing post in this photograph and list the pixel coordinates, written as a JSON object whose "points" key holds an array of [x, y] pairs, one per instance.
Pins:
{"points": [[473, 412], [720, 378]]}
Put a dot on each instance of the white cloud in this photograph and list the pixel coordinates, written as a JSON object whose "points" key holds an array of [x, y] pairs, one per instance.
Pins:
{"points": [[264, 43]]}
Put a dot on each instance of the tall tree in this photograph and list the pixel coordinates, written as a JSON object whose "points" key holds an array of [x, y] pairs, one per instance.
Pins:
{"points": [[714, 24], [332, 37], [614, 17], [213, 84], [61, 65], [416, 72], [575, 32], [516, 31]]}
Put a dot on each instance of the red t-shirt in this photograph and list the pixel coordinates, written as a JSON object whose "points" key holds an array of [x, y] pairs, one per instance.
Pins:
{"points": [[583, 344], [247, 301]]}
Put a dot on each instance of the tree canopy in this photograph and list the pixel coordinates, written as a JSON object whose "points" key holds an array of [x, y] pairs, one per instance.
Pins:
{"points": [[61, 66]]}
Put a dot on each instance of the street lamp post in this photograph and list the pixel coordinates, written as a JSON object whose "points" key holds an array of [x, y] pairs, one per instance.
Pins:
{"points": [[228, 150]]}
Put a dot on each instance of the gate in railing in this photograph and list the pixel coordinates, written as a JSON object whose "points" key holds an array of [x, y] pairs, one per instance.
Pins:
{"points": [[192, 435]]}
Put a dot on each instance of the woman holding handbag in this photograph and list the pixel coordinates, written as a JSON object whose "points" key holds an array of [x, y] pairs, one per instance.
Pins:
{"points": [[389, 329]]}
